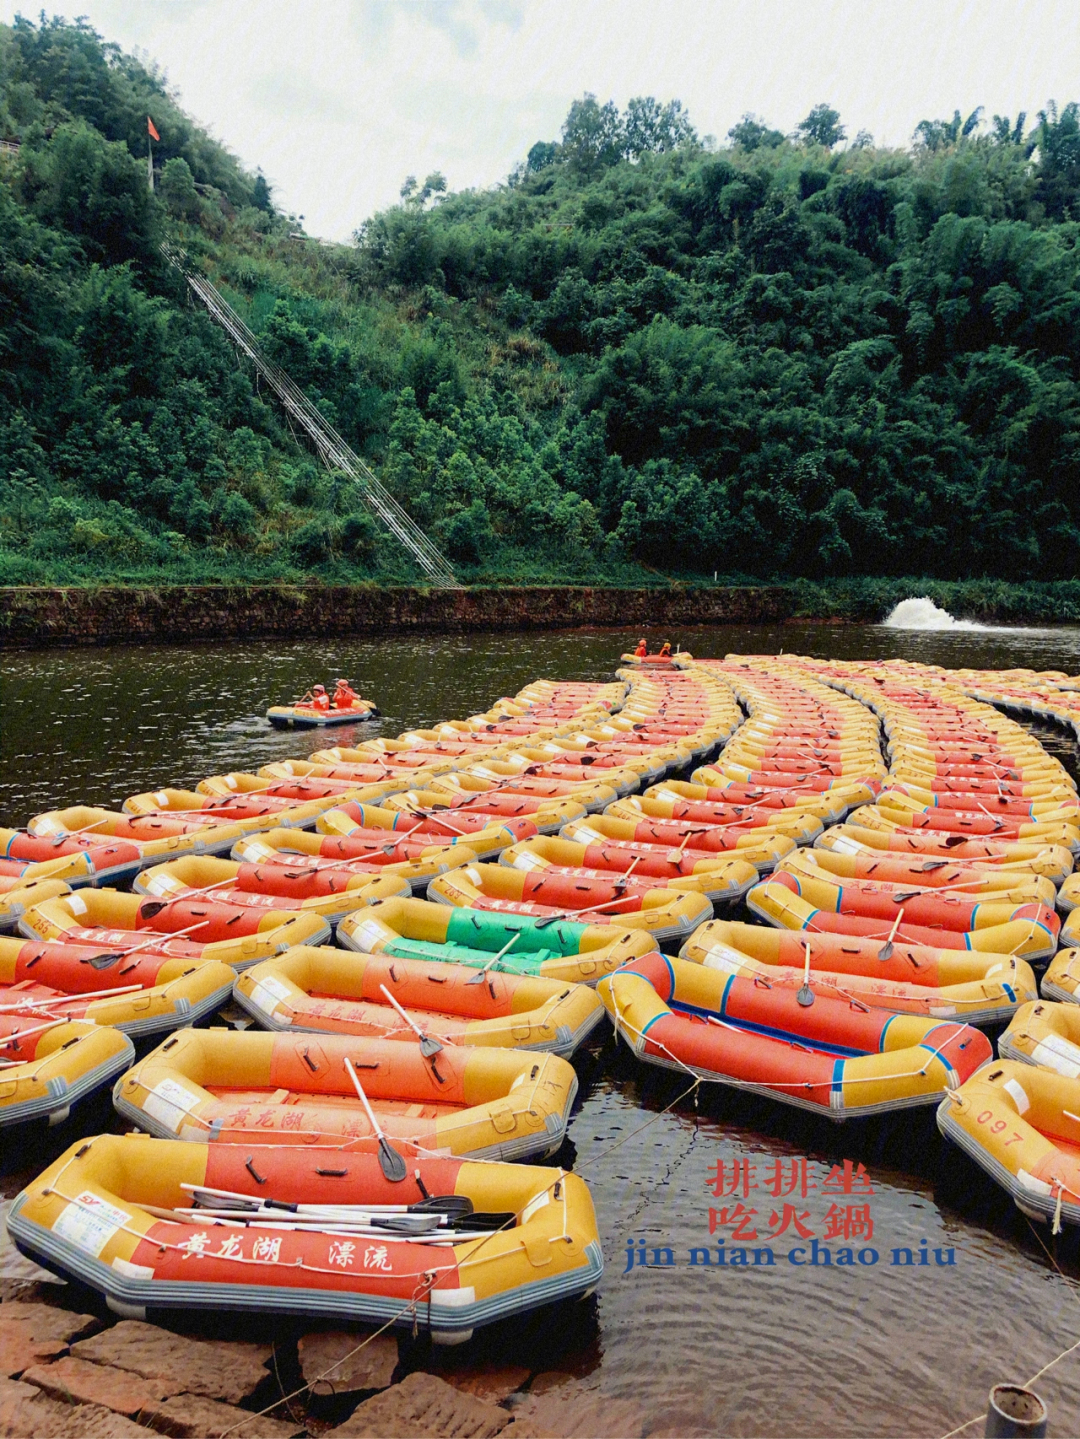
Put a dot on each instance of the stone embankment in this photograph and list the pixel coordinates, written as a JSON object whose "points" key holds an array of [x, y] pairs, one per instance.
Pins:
{"points": [[70, 1370], [31, 616]]}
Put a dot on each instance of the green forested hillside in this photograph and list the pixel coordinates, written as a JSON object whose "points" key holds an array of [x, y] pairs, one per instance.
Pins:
{"points": [[643, 353]]}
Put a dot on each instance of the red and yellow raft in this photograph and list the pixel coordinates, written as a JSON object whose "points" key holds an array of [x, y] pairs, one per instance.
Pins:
{"points": [[977, 987], [140, 994], [183, 928], [253, 888], [51, 1064], [218, 1086], [102, 1215], [835, 1057], [546, 895], [334, 991]]}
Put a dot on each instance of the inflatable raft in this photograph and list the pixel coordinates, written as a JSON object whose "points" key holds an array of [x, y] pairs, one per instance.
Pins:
{"points": [[508, 943], [78, 859], [218, 1086], [977, 987], [183, 928], [931, 875], [301, 715], [1044, 1034], [484, 834], [1061, 981], [143, 837], [719, 880], [545, 894], [763, 848], [835, 1057], [16, 898], [143, 994], [1053, 862], [370, 855], [51, 1064], [254, 888], [1018, 1123], [104, 1214], [1026, 934], [591, 795], [334, 991], [917, 905]]}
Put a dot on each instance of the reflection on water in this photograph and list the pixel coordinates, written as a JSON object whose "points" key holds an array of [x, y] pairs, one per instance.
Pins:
{"points": [[763, 1350]]}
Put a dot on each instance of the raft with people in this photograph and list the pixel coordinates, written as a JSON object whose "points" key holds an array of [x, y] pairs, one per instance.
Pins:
{"points": [[317, 708]]}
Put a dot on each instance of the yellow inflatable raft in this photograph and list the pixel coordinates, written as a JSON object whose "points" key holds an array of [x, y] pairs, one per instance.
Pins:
{"points": [[915, 979], [798, 825], [546, 894], [1027, 937], [49, 1065], [511, 943], [334, 991], [487, 839], [762, 848], [593, 795], [218, 1086], [16, 901], [1019, 1124], [1044, 1034], [1053, 862], [1061, 980], [719, 878], [192, 928], [262, 888], [142, 995], [105, 1214], [415, 861]]}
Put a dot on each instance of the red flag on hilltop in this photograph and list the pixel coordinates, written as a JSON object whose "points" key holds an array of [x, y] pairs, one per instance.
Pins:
{"points": [[150, 126]]}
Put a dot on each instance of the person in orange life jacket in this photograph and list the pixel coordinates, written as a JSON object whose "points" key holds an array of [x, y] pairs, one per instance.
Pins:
{"points": [[320, 700], [642, 650], [665, 650], [344, 696]]}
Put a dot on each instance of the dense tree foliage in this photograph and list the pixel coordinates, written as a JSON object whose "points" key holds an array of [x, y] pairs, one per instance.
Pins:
{"points": [[782, 356]]}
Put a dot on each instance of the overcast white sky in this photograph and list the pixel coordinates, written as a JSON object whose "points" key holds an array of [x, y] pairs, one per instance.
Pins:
{"points": [[339, 100]]}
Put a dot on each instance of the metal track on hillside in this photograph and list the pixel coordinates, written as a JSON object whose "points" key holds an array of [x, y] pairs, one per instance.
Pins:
{"points": [[333, 450]]}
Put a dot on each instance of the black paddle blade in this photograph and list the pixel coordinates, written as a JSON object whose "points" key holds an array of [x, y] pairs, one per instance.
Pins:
{"points": [[804, 995], [152, 907], [456, 1206], [390, 1162], [429, 1046], [886, 951], [496, 1220]]}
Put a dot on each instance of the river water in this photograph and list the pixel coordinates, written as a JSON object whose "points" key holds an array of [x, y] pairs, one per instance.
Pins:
{"points": [[870, 1347]]}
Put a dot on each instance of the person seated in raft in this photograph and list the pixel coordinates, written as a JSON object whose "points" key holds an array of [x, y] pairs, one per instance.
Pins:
{"points": [[642, 650], [665, 650], [320, 700], [344, 696]]}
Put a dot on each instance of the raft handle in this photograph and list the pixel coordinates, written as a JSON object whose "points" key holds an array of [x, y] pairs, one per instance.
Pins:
{"points": [[332, 1173], [249, 1165]]}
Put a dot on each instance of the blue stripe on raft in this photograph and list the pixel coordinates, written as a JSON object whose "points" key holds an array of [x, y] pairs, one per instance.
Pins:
{"points": [[768, 1031], [723, 996], [838, 1077], [1009, 991], [655, 1020], [884, 1031], [670, 970], [810, 918]]}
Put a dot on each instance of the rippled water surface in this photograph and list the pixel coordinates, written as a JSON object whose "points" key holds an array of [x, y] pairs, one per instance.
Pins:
{"points": [[870, 1348]]}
